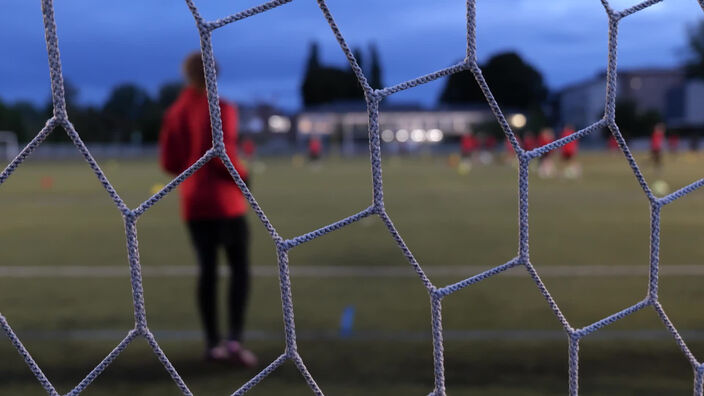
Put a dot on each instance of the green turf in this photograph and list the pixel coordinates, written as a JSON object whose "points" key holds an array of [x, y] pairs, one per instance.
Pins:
{"points": [[446, 218]]}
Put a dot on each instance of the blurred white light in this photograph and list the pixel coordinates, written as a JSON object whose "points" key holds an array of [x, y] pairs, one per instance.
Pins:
{"points": [[279, 124], [305, 125], [434, 135], [418, 135], [387, 135], [518, 120], [402, 135]]}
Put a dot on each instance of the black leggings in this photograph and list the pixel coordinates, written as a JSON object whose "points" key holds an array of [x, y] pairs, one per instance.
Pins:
{"points": [[207, 237]]}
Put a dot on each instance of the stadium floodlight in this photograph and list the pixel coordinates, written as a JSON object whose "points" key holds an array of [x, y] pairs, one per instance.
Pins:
{"points": [[402, 135], [279, 124], [518, 120], [305, 126], [387, 135], [434, 135], [437, 294], [418, 135]]}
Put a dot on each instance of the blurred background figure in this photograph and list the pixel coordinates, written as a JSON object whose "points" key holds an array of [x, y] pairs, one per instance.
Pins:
{"points": [[612, 144], [213, 207], [509, 153], [673, 143], [249, 149], [657, 143], [529, 142], [546, 166], [487, 144], [315, 149], [571, 168], [468, 146]]}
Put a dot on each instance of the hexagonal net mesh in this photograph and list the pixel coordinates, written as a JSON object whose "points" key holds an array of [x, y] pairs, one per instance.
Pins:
{"points": [[373, 97]]}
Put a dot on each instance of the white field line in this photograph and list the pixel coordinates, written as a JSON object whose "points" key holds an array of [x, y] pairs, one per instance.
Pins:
{"points": [[85, 271], [367, 335]]}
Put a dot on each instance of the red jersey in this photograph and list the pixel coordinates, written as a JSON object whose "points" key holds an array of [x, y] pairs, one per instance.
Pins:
{"points": [[248, 147], [210, 193], [570, 149], [657, 139], [612, 143], [529, 142], [314, 146], [509, 146], [490, 143], [673, 141], [468, 143]]}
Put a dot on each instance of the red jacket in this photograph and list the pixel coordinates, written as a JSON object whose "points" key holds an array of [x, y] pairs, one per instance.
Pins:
{"points": [[210, 193]]}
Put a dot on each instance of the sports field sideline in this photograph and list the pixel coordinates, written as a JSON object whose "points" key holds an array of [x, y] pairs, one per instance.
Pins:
{"points": [[63, 269]]}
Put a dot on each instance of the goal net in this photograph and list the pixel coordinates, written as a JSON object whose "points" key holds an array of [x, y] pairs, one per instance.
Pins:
{"points": [[436, 293]]}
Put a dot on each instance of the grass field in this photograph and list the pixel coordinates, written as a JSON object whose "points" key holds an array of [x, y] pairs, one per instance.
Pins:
{"points": [[448, 220]]}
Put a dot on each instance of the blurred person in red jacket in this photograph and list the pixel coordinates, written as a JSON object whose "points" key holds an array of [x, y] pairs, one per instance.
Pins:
{"points": [[529, 142], [657, 141], [572, 170], [213, 208], [468, 145], [546, 168], [315, 148]]}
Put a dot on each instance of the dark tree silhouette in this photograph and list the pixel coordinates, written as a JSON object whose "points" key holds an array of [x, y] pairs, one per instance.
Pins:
{"points": [[695, 39], [327, 84], [633, 123], [375, 68], [513, 82], [126, 107]]}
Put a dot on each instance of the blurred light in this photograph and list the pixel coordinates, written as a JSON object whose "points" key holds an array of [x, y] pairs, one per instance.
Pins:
{"points": [[434, 135], [305, 125], [418, 135], [402, 135], [279, 124], [387, 135], [518, 120]]}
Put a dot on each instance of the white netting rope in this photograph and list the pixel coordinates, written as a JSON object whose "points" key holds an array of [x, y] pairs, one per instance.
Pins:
{"points": [[373, 98]]}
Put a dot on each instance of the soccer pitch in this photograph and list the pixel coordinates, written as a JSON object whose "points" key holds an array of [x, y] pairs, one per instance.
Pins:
{"points": [[64, 283]]}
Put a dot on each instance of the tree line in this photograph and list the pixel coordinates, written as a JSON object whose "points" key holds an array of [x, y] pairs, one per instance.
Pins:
{"points": [[131, 114]]}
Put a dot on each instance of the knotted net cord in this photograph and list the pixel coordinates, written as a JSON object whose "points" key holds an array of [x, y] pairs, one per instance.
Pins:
{"points": [[373, 97]]}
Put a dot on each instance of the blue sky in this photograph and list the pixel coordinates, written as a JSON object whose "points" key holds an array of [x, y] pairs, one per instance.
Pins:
{"points": [[104, 43]]}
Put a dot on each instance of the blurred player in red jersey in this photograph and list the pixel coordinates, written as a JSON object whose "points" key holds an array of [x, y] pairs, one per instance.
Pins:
{"points": [[468, 145], [572, 170], [673, 143], [546, 167], [212, 206], [249, 148], [611, 143], [488, 144], [509, 152], [657, 141], [529, 142], [315, 149]]}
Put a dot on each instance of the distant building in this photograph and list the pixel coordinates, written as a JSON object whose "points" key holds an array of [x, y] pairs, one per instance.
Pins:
{"points": [[263, 122], [348, 122], [686, 106], [582, 104]]}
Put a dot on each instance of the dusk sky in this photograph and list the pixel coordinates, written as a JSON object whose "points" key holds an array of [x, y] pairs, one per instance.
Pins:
{"points": [[104, 43]]}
